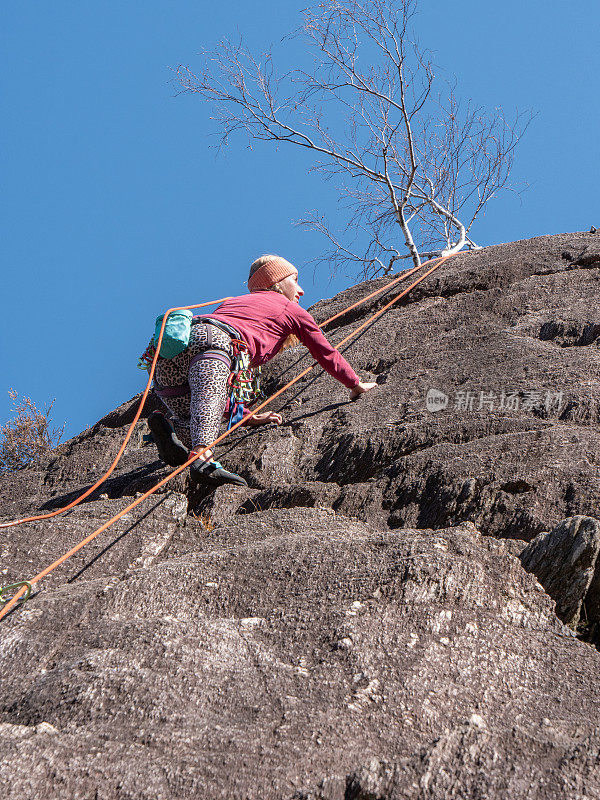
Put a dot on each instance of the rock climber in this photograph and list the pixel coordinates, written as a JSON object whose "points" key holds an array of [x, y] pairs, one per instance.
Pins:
{"points": [[194, 384]]}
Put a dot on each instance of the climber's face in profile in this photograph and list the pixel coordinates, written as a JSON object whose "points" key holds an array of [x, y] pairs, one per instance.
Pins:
{"points": [[290, 287]]}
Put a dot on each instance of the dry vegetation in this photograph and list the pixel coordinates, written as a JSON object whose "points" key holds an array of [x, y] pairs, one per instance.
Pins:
{"points": [[28, 435]]}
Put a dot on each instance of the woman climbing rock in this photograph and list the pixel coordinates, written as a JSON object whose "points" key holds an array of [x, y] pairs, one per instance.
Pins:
{"points": [[194, 384]]}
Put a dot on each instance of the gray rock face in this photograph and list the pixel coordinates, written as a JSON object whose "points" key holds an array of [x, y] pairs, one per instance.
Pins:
{"points": [[514, 450], [356, 623], [286, 653], [565, 563]]}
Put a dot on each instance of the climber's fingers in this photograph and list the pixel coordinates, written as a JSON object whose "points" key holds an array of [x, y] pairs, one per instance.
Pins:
{"points": [[265, 417], [361, 388]]}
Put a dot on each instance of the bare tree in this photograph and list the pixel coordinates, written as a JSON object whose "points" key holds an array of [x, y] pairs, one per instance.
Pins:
{"points": [[414, 167]]}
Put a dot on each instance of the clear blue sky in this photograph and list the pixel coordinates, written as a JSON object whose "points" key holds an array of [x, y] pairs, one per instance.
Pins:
{"points": [[115, 207]]}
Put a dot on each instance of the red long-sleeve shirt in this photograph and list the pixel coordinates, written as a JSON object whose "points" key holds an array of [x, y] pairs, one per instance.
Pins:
{"points": [[266, 319]]}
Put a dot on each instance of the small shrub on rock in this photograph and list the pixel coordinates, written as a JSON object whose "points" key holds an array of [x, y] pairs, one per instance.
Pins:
{"points": [[28, 435]]}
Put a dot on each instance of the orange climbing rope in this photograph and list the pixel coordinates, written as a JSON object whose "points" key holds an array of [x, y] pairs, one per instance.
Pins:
{"points": [[25, 586]]}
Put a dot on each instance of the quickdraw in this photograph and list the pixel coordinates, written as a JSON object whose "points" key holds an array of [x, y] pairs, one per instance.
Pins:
{"points": [[147, 357], [243, 382], [15, 587]]}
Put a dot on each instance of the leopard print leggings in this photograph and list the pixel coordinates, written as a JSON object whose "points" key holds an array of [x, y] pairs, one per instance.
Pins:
{"points": [[197, 416]]}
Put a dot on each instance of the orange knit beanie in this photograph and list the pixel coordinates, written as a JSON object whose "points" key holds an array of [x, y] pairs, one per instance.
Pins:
{"points": [[263, 276]]}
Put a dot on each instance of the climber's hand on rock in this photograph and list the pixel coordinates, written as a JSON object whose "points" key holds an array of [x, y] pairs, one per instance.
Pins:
{"points": [[264, 418], [361, 388]]}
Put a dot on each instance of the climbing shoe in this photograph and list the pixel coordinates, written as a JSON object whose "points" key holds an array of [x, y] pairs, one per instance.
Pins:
{"points": [[170, 448], [211, 473]]}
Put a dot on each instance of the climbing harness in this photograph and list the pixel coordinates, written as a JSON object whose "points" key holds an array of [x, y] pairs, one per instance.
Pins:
{"points": [[25, 586], [243, 381]]}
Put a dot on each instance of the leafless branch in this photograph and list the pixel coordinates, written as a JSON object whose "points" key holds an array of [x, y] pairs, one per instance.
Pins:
{"points": [[407, 162]]}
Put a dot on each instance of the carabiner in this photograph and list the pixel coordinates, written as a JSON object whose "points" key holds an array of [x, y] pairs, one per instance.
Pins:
{"points": [[16, 586]]}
